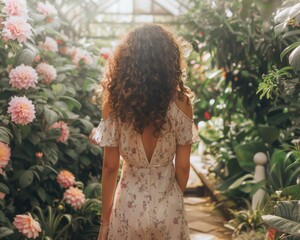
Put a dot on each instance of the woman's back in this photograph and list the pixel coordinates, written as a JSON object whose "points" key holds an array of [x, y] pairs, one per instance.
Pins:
{"points": [[148, 200]]}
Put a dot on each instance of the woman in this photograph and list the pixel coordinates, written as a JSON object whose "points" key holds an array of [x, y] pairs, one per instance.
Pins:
{"points": [[147, 120]]}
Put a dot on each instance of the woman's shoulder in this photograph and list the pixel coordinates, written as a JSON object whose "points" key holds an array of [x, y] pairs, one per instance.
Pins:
{"points": [[184, 105]]}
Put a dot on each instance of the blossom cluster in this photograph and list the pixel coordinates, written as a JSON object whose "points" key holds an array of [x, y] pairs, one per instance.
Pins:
{"points": [[73, 195], [15, 25], [80, 55]]}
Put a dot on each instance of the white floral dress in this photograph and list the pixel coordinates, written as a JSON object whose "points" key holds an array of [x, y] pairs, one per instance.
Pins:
{"points": [[148, 202]]}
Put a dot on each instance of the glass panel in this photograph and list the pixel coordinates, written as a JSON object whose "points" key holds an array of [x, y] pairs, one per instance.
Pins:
{"points": [[157, 9], [125, 6], [169, 5], [142, 7], [143, 19]]}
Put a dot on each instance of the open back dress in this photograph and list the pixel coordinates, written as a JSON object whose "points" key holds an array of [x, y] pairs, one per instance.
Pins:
{"points": [[148, 202]]}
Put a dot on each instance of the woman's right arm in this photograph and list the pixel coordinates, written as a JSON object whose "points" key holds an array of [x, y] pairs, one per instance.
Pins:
{"points": [[110, 169]]}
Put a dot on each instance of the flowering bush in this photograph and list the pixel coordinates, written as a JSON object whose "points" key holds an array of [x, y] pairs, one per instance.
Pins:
{"points": [[45, 118]]}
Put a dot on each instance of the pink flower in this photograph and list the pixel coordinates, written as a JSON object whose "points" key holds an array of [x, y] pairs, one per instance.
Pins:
{"points": [[74, 197], [23, 77], [27, 225], [65, 179], [15, 8], [4, 155], [22, 110], [64, 130], [78, 54], [49, 45], [46, 9], [16, 28], [2, 195], [47, 71]]}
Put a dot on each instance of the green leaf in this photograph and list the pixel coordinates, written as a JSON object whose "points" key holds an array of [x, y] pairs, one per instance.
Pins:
{"points": [[50, 115], [59, 89], [50, 154], [49, 93], [5, 135], [288, 49], [282, 224], [35, 139], [65, 68], [41, 193], [5, 232], [26, 179], [87, 124], [268, 133], [237, 183], [17, 134], [279, 118], [72, 154], [4, 188], [25, 130], [245, 153], [93, 190], [26, 56], [293, 191], [72, 103]]}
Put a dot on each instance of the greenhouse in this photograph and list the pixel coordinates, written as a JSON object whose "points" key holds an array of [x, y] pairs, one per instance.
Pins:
{"points": [[149, 119]]}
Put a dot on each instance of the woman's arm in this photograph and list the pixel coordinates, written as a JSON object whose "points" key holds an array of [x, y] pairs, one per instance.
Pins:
{"points": [[110, 171], [182, 159], [182, 165]]}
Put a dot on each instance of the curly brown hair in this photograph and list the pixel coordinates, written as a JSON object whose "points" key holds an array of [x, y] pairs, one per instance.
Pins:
{"points": [[145, 72]]}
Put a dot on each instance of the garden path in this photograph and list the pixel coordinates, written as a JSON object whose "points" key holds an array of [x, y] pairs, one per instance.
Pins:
{"points": [[205, 221]]}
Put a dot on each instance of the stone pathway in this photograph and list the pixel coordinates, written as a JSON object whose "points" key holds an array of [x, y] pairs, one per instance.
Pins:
{"points": [[205, 221]]}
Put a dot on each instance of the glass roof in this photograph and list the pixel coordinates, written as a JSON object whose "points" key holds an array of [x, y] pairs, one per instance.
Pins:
{"points": [[109, 19]]}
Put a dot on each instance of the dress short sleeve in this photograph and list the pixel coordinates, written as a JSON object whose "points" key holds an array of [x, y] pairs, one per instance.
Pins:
{"points": [[107, 133], [186, 131]]}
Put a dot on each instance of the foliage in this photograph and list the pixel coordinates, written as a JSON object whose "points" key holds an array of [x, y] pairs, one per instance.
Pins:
{"points": [[238, 56], [246, 221], [286, 219], [29, 179]]}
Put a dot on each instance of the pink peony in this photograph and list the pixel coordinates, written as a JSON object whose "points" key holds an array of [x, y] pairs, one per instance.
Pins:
{"points": [[46, 9], [49, 45], [64, 131], [16, 28], [65, 178], [2, 195], [78, 54], [47, 71], [15, 8], [27, 225], [4, 155], [22, 110], [23, 77], [74, 197]]}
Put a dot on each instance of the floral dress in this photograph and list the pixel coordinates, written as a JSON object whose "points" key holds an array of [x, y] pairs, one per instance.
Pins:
{"points": [[148, 202]]}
